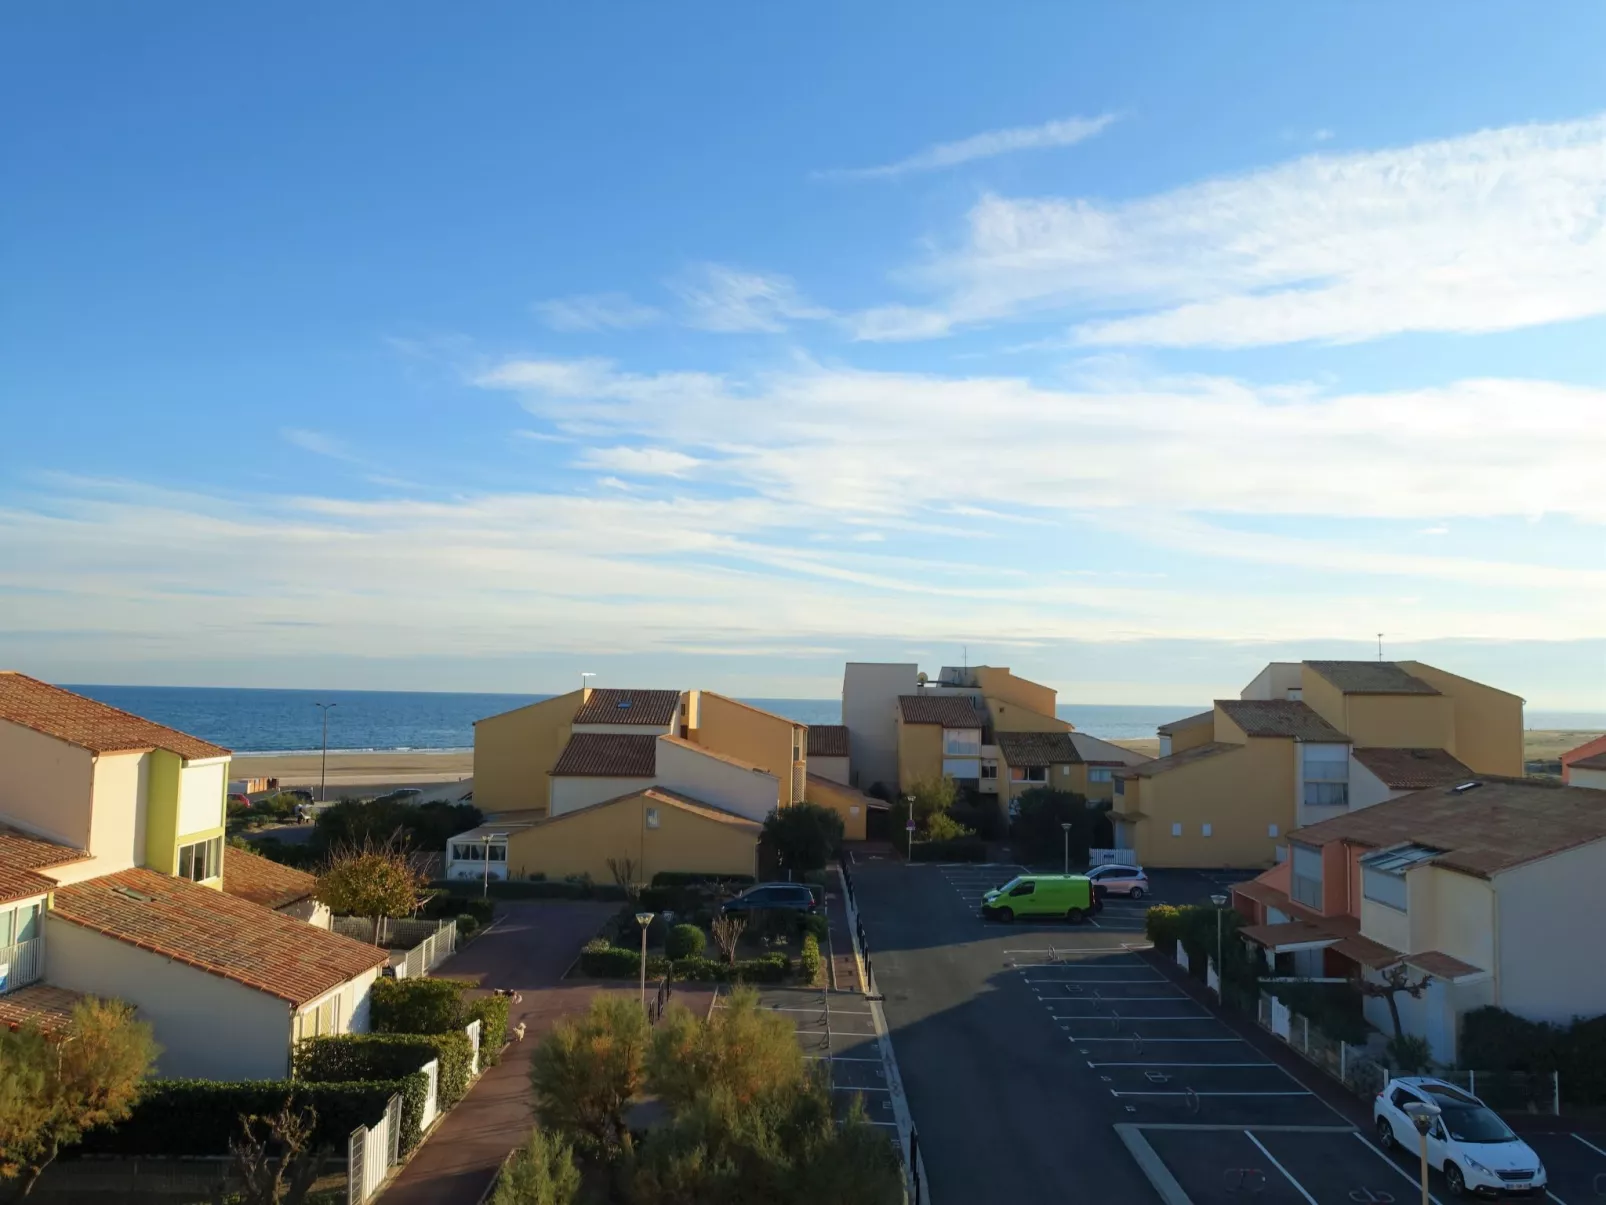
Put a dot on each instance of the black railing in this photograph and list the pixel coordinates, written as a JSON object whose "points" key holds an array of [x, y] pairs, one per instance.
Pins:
{"points": [[660, 1001]]}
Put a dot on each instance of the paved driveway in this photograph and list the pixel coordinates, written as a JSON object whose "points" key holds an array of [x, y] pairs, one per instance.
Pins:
{"points": [[528, 950]]}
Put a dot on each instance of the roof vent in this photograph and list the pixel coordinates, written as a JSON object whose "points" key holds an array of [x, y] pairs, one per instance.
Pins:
{"points": [[1463, 788], [622, 704], [137, 896]]}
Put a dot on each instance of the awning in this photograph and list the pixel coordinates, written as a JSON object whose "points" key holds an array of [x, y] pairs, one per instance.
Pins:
{"points": [[1289, 936], [1366, 952], [1444, 966]]}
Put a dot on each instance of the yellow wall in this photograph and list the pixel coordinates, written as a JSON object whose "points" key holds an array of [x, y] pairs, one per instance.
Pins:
{"points": [[1488, 722], [852, 806], [997, 682], [1457, 915], [514, 751], [1322, 697], [582, 842], [920, 753], [1401, 721], [1060, 778], [756, 737], [1192, 735], [1009, 716], [1238, 794]]}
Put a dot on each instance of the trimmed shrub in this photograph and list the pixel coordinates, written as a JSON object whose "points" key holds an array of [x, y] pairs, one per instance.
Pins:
{"points": [[467, 926], [808, 962], [812, 924], [491, 1013], [1333, 1008], [690, 878], [1162, 925], [382, 1056], [443, 906], [685, 941], [601, 959], [416, 1006], [962, 849]]}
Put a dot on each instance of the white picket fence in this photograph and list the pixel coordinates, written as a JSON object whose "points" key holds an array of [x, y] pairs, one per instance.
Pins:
{"points": [[1112, 857], [1213, 977], [473, 1032], [428, 943], [371, 1152]]}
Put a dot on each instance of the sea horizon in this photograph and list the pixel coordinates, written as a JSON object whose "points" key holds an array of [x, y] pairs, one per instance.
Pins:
{"points": [[268, 721]]}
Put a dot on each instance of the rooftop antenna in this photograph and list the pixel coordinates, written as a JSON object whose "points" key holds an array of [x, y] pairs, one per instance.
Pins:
{"points": [[966, 649], [1380, 646]]}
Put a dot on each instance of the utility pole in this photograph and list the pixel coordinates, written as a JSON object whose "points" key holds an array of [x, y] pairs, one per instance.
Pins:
{"points": [[323, 772]]}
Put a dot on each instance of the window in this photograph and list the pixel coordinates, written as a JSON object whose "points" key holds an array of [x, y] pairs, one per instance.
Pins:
{"points": [[1176, 830], [19, 924], [1383, 887], [797, 744], [1271, 830], [498, 853], [1307, 876], [1028, 773], [1024, 889], [201, 860], [467, 851], [1326, 775], [961, 742], [961, 767], [1296, 693], [652, 817], [1098, 773], [989, 769], [1204, 830], [1120, 786]]}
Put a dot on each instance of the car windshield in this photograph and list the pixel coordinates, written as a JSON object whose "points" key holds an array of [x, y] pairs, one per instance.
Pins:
{"points": [[1012, 882], [1476, 1124]]}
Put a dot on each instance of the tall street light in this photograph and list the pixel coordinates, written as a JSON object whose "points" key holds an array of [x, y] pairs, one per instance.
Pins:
{"points": [[909, 827], [644, 919], [323, 773], [1065, 827], [485, 882], [583, 677], [1220, 901], [1423, 1116]]}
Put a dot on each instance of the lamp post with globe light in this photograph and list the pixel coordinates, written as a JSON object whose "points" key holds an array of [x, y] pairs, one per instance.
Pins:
{"points": [[644, 919], [1424, 1117], [1065, 827], [1220, 901]]}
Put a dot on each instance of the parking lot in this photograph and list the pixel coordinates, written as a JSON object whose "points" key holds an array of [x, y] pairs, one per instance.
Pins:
{"points": [[1045, 1059]]}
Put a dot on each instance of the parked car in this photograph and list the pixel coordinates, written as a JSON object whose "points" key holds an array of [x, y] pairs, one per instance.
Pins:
{"points": [[1062, 896], [299, 793], [771, 897], [404, 795], [1476, 1151], [1129, 881], [239, 800]]}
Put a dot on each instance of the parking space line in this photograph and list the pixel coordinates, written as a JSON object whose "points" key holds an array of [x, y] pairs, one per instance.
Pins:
{"points": [[840, 1058], [1298, 1187], [1123, 1018], [1589, 1144], [1156, 1041], [1403, 1174], [1113, 1092], [1181, 1064], [835, 1012]]}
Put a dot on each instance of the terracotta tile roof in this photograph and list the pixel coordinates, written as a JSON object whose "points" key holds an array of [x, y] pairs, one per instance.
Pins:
{"points": [[608, 755], [1187, 757], [41, 1004], [250, 876], [18, 884], [24, 851], [1038, 748], [1288, 933], [683, 743], [608, 706], [1595, 761], [951, 711], [217, 933], [91, 725], [1367, 952], [1441, 965], [828, 740], [1499, 824], [1586, 752], [674, 799], [1262, 893], [1413, 769], [1371, 678], [1185, 722], [1279, 717]]}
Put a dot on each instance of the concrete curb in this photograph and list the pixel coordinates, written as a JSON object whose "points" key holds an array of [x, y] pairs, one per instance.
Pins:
{"points": [[1151, 1165]]}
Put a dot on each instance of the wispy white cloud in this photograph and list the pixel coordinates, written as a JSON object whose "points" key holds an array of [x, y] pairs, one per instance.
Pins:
{"points": [[641, 462], [318, 443], [717, 297], [1067, 131], [596, 312], [1491, 231]]}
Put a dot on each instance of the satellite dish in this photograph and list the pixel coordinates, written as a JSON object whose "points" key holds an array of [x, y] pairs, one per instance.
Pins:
{"points": [[921, 677]]}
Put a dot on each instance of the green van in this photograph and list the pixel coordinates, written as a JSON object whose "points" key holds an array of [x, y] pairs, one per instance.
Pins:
{"points": [[1070, 896]]}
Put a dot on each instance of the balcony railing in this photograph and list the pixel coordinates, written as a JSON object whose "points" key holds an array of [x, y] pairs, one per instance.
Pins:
{"points": [[21, 964]]}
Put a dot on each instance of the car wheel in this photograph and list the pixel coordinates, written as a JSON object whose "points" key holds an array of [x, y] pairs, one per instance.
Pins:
{"points": [[1006, 915], [1076, 916], [1385, 1134], [1135, 894], [1454, 1180]]}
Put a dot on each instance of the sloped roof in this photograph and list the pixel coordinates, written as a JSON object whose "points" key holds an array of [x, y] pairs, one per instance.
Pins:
{"points": [[39, 1004], [215, 932], [831, 784], [675, 799], [90, 725], [250, 876], [828, 740], [715, 754], [1371, 678], [1038, 748], [1163, 765], [1413, 769], [1279, 717], [16, 884], [1596, 761], [611, 706], [1096, 751], [951, 711], [1185, 722], [24, 851], [1497, 825], [608, 755]]}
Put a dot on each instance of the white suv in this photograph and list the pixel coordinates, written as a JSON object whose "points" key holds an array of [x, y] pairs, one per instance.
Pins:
{"points": [[1476, 1151]]}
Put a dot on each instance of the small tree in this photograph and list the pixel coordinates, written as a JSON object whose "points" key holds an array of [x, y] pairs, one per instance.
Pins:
{"points": [[285, 1178], [586, 1072], [56, 1085], [805, 835], [739, 1052], [371, 880], [624, 872], [1396, 981], [727, 934], [940, 826], [1039, 814], [541, 1172]]}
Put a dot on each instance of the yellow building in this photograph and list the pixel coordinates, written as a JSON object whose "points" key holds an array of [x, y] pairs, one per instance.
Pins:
{"points": [[1061, 761], [1306, 742]]}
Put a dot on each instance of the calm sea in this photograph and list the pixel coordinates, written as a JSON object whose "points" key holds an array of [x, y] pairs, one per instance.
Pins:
{"points": [[281, 721]]}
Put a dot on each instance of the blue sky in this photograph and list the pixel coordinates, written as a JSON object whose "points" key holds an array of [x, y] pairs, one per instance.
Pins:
{"points": [[420, 346]]}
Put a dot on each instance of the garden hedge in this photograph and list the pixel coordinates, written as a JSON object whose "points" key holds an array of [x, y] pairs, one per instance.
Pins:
{"points": [[416, 1006], [599, 960], [384, 1056], [808, 963], [491, 1013]]}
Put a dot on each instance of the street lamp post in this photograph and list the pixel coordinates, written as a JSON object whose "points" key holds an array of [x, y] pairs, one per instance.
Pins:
{"points": [[1220, 901], [644, 919], [323, 772], [583, 677], [1065, 827], [485, 882], [1423, 1116], [909, 827]]}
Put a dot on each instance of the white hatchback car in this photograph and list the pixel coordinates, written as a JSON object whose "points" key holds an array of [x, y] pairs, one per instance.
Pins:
{"points": [[1476, 1151], [1129, 881]]}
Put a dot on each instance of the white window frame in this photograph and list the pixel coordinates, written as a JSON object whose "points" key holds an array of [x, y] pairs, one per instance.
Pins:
{"points": [[1303, 888], [212, 852], [1098, 773]]}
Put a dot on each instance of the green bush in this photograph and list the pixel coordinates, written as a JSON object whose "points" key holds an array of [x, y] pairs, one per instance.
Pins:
{"points": [[804, 836], [1162, 925], [1333, 1008], [965, 849], [201, 1117], [689, 878], [812, 924], [541, 1172], [1410, 1053], [808, 962], [416, 1006], [384, 1056], [491, 1012], [440, 905], [601, 959], [467, 926], [685, 941]]}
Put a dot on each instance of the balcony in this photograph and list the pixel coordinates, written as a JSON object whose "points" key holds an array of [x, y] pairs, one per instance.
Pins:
{"points": [[21, 964]]}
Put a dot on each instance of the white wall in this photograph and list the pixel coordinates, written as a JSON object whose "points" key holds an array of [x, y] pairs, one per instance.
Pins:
{"points": [[117, 833], [1274, 682], [355, 997], [834, 768], [200, 796], [1576, 778], [751, 793], [870, 691], [208, 1027], [1386, 925], [1462, 918], [1549, 912], [46, 785], [1365, 788], [311, 911], [572, 793]]}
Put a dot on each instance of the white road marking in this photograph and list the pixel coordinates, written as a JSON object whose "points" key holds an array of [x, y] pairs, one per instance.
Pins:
{"points": [[1148, 1041], [1400, 1171], [1114, 1093], [1300, 1188], [1181, 1064], [1589, 1144]]}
